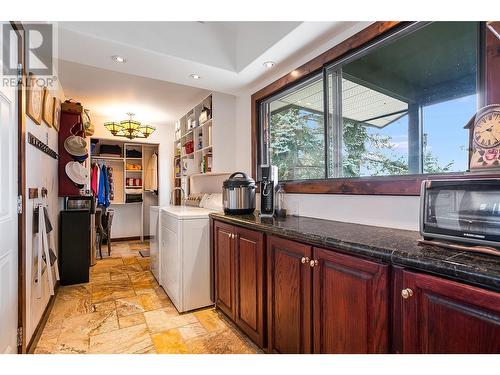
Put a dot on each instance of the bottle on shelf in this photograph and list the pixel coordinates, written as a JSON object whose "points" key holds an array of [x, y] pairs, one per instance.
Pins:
{"points": [[279, 209]]}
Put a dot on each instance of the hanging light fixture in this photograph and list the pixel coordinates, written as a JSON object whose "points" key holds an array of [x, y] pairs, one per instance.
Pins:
{"points": [[129, 128], [113, 127]]}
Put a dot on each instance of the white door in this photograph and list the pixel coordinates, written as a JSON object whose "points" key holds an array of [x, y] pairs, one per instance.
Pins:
{"points": [[8, 215]]}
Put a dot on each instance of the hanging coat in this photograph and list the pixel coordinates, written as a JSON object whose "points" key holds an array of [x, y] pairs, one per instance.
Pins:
{"points": [[101, 199], [151, 174]]}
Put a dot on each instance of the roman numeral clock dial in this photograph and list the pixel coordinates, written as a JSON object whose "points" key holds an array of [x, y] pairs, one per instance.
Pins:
{"points": [[486, 139]]}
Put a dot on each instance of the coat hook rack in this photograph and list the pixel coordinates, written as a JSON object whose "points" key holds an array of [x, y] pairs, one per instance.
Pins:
{"points": [[34, 141]]}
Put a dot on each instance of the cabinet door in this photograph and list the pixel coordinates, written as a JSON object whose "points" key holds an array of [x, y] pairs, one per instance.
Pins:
{"points": [[249, 275], [442, 316], [224, 267], [289, 296], [350, 304]]}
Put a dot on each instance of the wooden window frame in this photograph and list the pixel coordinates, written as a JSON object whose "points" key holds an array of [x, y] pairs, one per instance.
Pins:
{"points": [[408, 185]]}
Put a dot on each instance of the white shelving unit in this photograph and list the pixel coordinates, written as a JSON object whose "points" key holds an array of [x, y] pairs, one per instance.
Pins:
{"points": [[210, 140]]}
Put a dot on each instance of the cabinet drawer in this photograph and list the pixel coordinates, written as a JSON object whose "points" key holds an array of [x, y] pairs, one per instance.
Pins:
{"points": [[169, 222]]}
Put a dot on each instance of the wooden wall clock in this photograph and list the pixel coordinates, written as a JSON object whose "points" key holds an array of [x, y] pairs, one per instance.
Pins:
{"points": [[484, 139]]}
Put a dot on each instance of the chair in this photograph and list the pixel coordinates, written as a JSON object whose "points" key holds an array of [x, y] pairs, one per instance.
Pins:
{"points": [[104, 230]]}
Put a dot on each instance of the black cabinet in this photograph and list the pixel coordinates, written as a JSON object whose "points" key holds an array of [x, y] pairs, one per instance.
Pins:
{"points": [[74, 247]]}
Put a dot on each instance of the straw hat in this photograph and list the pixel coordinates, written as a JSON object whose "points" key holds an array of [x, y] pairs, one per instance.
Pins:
{"points": [[76, 173], [76, 145]]}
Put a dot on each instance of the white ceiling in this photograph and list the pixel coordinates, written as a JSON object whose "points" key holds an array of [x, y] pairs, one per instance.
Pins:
{"points": [[110, 95], [154, 83], [227, 55]]}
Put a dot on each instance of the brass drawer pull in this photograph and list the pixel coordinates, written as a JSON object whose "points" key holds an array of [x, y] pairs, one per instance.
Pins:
{"points": [[304, 260], [406, 293], [313, 263]]}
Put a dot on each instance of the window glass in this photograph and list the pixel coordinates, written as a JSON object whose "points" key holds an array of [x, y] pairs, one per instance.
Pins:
{"points": [[404, 103], [394, 108], [296, 132]]}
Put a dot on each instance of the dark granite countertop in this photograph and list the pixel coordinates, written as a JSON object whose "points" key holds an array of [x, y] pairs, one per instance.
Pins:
{"points": [[396, 246]]}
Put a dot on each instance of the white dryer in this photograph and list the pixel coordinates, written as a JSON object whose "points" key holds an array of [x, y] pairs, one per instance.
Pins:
{"points": [[185, 256]]}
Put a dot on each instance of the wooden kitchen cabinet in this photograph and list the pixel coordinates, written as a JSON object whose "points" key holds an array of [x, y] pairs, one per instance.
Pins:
{"points": [[224, 268], [288, 296], [442, 316], [350, 304], [249, 258], [240, 278]]}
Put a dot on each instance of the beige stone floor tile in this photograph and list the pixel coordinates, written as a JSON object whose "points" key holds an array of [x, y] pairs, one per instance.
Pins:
{"points": [[130, 340], [90, 324], [167, 318], [104, 306], [119, 276], [99, 277], [210, 319], [141, 276], [106, 315], [169, 342], [139, 303], [129, 260], [46, 346], [64, 309], [74, 291], [131, 320], [190, 331], [72, 344], [114, 289], [221, 342]]}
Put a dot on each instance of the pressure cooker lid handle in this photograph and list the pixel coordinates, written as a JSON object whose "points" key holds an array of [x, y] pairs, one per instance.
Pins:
{"points": [[237, 173]]}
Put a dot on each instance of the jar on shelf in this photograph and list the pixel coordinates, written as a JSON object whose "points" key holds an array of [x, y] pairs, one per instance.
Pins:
{"points": [[279, 208]]}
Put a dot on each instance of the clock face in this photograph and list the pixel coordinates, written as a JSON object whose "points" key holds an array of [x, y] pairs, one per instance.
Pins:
{"points": [[487, 130]]}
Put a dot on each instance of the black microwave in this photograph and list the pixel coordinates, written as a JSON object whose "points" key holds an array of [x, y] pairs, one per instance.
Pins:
{"points": [[466, 211]]}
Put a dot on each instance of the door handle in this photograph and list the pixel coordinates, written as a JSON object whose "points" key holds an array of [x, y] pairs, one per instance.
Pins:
{"points": [[304, 260], [313, 263]]}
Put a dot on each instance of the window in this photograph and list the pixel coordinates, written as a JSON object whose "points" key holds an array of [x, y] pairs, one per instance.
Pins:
{"points": [[396, 107], [297, 131]]}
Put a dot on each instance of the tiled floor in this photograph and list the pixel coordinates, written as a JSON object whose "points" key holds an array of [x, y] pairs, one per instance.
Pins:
{"points": [[124, 310]]}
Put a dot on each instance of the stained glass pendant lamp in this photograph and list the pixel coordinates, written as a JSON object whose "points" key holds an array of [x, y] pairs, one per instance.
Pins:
{"points": [[129, 128]]}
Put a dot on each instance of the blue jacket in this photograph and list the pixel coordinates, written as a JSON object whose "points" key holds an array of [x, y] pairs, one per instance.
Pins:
{"points": [[103, 194]]}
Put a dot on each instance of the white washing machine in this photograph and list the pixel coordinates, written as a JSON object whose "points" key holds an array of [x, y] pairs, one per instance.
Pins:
{"points": [[185, 256]]}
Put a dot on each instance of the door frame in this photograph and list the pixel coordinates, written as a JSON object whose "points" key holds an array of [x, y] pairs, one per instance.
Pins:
{"points": [[21, 186]]}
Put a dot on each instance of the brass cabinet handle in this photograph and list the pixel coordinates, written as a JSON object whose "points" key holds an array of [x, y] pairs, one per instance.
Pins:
{"points": [[304, 260], [406, 293], [313, 263]]}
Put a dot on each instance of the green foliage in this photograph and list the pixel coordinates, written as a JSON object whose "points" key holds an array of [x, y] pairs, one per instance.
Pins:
{"points": [[297, 149], [297, 144]]}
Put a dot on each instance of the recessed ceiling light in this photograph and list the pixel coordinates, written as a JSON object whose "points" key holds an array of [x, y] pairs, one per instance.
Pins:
{"points": [[194, 76], [118, 59], [269, 64]]}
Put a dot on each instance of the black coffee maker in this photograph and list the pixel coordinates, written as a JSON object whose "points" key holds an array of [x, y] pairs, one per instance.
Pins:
{"points": [[267, 175]]}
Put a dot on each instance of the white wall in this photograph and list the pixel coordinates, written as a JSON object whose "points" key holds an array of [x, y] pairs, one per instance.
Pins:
{"points": [[391, 211], [41, 171], [125, 222]]}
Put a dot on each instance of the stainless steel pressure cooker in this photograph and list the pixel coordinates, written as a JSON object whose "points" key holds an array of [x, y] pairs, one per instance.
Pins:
{"points": [[238, 194]]}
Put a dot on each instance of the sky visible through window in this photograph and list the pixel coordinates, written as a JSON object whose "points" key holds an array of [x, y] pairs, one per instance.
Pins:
{"points": [[443, 130]]}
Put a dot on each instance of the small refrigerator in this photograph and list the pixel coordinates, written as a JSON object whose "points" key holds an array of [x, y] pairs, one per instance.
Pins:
{"points": [[75, 244], [154, 240]]}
